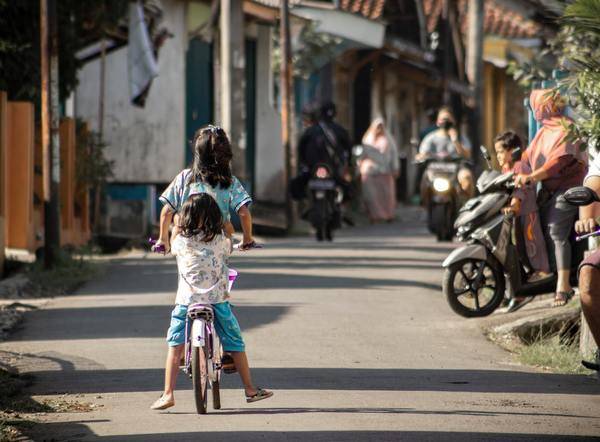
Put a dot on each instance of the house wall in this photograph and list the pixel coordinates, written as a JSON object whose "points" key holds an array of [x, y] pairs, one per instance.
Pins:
{"points": [[269, 181], [147, 144]]}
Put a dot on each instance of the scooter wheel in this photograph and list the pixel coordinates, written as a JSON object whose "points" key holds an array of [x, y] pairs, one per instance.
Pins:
{"points": [[473, 287]]}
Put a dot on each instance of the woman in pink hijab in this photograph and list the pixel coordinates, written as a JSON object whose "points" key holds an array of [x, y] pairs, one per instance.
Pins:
{"points": [[379, 168], [558, 165]]}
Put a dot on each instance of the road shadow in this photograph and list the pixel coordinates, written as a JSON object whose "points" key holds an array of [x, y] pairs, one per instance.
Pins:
{"points": [[78, 430], [254, 281], [143, 321], [336, 379]]}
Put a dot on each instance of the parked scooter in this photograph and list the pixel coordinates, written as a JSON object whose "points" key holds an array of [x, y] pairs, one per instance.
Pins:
{"points": [[325, 199], [477, 275], [441, 195]]}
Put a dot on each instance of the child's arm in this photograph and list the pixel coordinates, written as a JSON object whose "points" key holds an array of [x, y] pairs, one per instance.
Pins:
{"points": [[166, 217], [229, 230], [246, 221]]}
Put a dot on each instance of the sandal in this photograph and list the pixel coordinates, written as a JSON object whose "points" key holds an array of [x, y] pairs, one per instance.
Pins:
{"points": [[259, 395], [227, 364], [162, 404], [516, 303], [562, 298]]}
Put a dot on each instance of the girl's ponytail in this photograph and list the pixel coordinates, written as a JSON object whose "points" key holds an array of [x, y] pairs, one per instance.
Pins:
{"points": [[212, 157]]}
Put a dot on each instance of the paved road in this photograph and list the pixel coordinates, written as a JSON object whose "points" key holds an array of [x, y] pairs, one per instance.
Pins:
{"points": [[354, 337]]}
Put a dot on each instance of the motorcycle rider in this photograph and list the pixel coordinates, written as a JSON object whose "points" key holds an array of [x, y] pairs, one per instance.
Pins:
{"points": [[445, 141], [326, 142], [589, 270]]}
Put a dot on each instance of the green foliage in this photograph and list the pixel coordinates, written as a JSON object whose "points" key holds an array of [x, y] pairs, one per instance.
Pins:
{"points": [[80, 22], [537, 69], [93, 169], [553, 355], [578, 48], [311, 51]]}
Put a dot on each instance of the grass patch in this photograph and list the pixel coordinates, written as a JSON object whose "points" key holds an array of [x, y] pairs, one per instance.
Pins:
{"points": [[73, 268], [553, 354]]}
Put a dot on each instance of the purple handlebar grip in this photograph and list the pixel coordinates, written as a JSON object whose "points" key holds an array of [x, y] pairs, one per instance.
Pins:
{"points": [[156, 249], [587, 235]]}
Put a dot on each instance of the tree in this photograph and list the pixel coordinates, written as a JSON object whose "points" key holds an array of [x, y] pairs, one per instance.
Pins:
{"points": [[578, 49], [80, 23]]}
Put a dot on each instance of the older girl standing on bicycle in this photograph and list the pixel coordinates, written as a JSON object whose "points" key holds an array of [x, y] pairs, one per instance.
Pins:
{"points": [[202, 250]]}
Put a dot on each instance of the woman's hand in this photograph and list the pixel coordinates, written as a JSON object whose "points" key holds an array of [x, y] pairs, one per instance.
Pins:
{"points": [[585, 226], [523, 179], [514, 208]]}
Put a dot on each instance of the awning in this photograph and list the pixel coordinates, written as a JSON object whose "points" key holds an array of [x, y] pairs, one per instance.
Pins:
{"points": [[360, 31]]}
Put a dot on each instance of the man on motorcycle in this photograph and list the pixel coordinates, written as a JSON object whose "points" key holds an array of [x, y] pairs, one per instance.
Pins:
{"points": [[325, 142], [589, 271], [444, 142]]}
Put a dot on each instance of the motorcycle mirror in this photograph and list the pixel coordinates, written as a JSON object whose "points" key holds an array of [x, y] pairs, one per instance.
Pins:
{"points": [[516, 154], [485, 153], [581, 196]]}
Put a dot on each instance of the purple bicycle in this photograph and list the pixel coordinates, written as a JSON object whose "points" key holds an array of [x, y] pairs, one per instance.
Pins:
{"points": [[203, 351]]}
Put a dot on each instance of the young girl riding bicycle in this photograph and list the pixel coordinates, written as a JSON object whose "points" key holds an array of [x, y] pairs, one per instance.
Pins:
{"points": [[201, 198]]}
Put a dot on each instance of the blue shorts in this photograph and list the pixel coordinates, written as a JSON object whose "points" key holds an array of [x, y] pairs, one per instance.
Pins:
{"points": [[226, 324]]}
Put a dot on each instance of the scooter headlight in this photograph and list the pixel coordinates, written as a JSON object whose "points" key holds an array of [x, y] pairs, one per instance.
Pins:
{"points": [[441, 184]]}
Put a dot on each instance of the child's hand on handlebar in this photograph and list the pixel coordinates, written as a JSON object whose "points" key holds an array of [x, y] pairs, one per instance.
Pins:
{"points": [[161, 246]]}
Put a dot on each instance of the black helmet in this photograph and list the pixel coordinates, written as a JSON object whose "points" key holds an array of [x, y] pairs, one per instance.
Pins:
{"points": [[328, 110]]}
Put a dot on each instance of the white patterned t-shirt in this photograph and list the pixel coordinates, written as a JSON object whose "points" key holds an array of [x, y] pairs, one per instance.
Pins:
{"points": [[202, 269]]}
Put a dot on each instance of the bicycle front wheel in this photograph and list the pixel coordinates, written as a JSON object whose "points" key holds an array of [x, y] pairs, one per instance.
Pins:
{"points": [[200, 377]]}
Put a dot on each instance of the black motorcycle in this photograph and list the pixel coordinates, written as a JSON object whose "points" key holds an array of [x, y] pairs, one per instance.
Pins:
{"points": [[491, 265], [441, 195], [324, 200]]}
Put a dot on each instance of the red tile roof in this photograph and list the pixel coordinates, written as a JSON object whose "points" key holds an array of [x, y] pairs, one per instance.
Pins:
{"points": [[372, 9], [498, 19]]}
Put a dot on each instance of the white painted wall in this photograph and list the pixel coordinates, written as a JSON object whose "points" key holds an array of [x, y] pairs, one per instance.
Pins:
{"points": [[270, 185], [147, 144]]}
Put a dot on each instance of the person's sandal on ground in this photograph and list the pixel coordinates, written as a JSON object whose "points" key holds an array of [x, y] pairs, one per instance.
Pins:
{"points": [[595, 364], [228, 364], [162, 403], [259, 395], [562, 298], [517, 302], [538, 276]]}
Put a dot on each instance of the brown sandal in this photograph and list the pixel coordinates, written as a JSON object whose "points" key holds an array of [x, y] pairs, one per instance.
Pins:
{"points": [[562, 298]]}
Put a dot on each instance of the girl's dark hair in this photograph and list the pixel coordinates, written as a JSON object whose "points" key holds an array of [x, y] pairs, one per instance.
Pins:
{"points": [[509, 140], [200, 215], [212, 157]]}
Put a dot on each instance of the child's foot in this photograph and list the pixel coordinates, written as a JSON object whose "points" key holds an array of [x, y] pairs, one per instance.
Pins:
{"points": [[163, 402], [258, 395]]}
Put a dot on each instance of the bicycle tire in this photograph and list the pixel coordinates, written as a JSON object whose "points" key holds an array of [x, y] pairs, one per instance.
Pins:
{"points": [[200, 378], [216, 394]]}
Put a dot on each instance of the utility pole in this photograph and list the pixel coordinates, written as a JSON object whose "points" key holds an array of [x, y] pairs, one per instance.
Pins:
{"points": [[50, 129], [474, 68], [286, 123]]}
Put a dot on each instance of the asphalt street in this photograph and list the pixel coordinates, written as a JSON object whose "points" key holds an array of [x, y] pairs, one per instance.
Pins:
{"points": [[354, 337]]}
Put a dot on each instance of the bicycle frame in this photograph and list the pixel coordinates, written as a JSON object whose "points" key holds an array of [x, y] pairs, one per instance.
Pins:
{"points": [[200, 332]]}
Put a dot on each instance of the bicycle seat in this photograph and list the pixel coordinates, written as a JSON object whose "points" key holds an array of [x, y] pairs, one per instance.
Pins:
{"points": [[201, 311]]}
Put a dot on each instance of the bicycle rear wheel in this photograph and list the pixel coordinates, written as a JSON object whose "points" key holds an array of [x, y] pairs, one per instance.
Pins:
{"points": [[200, 377], [216, 394]]}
